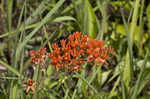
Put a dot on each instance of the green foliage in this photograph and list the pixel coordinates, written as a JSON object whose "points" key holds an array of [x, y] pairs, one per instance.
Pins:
{"points": [[148, 15]]}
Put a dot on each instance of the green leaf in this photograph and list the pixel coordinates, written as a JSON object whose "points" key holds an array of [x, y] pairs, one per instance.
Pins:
{"points": [[148, 16], [90, 24], [116, 72], [123, 87], [64, 18], [105, 76], [127, 72], [49, 70], [15, 86], [140, 62], [134, 20], [120, 29], [122, 4], [9, 8], [113, 92]]}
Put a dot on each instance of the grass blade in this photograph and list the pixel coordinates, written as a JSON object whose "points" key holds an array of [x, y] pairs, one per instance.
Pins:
{"points": [[66, 94], [134, 20], [90, 26], [14, 91], [10, 68], [140, 42], [123, 87], [102, 9], [9, 15], [64, 18], [128, 70]]}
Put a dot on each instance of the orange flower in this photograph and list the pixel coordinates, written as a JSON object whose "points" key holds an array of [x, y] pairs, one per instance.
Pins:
{"points": [[57, 66], [54, 46], [85, 38], [73, 62], [38, 56], [75, 67], [82, 52], [74, 53], [54, 61], [82, 45], [30, 85], [71, 38], [57, 51], [77, 50], [80, 61], [63, 43], [52, 54], [65, 47], [77, 35], [72, 44], [90, 58], [66, 56]]}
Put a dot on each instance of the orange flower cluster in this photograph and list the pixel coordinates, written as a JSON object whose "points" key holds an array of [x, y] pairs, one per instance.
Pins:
{"points": [[71, 52], [74, 52], [79, 49], [97, 52], [30, 85], [38, 56]]}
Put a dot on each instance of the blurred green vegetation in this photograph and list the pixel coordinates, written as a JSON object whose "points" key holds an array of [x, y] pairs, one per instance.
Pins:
{"points": [[33, 24]]}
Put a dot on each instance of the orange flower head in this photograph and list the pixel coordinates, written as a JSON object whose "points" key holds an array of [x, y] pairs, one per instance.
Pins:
{"points": [[39, 56], [30, 86], [55, 46], [66, 56], [74, 53], [75, 68], [43, 51], [77, 50], [63, 43], [32, 53], [71, 38], [57, 51], [72, 44], [30, 82], [77, 35], [54, 60], [52, 54], [80, 61], [85, 38], [100, 43]]}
